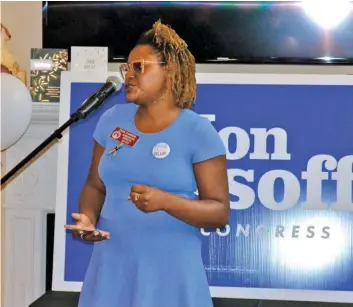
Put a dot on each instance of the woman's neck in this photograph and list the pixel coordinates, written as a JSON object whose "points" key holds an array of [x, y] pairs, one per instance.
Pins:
{"points": [[162, 108], [156, 117]]}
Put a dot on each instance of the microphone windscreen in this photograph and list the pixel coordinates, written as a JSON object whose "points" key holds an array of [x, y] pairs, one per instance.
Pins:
{"points": [[116, 81]]}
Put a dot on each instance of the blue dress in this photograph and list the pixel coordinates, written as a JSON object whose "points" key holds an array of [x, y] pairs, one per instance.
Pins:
{"points": [[151, 259]]}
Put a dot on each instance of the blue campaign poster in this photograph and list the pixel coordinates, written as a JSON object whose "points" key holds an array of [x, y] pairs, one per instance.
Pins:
{"points": [[290, 168]]}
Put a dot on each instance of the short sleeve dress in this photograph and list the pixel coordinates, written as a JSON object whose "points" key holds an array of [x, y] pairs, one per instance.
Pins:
{"points": [[151, 259]]}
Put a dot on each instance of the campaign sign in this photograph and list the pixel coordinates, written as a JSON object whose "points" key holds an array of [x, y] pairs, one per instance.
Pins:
{"points": [[289, 144]]}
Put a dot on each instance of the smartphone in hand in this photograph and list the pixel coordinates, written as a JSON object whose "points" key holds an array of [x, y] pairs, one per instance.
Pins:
{"points": [[88, 231]]}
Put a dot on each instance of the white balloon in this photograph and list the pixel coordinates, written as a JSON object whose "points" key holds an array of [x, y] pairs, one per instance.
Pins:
{"points": [[16, 110]]}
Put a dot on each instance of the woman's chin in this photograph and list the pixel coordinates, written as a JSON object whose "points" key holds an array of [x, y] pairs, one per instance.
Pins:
{"points": [[130, 97]]}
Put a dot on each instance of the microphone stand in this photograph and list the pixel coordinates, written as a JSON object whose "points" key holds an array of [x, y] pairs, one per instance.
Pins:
{"points": [[57, 134], [87, 107]]}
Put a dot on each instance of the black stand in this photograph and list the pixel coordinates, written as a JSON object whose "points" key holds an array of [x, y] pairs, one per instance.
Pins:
{"points": [[70, 299], [57, 134], [57, 299], [87, 107]]}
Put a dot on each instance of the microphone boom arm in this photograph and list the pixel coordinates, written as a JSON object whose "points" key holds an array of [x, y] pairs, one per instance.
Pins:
{"points": [[93, 102], [56, 135]]}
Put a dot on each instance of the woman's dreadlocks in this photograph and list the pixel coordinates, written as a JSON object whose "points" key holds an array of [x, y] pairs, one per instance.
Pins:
{"points": [[174, 52]]}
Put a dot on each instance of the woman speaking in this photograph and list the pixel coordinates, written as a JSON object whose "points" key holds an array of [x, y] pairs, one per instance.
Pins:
{"points": [[149, 158]]}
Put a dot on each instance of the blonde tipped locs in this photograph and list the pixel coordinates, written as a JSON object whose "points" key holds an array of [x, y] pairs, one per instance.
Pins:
{"points": [[174, 51]]}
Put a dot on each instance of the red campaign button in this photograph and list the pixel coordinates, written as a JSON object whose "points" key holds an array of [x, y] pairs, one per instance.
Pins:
{"points": [[124, 137]]}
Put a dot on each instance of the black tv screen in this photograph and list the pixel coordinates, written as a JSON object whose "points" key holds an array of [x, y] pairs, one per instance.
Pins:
{"points": [[228, 32]]}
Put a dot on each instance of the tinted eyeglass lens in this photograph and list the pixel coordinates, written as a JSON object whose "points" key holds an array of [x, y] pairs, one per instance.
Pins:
{"points": [[137, 67]]}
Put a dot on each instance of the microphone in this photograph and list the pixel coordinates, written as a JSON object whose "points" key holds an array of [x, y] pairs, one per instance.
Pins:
{"points": [[112, 85], [94, 101]]}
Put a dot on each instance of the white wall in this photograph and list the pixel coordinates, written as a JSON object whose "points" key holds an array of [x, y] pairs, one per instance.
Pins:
{"points": [[24, 21]]}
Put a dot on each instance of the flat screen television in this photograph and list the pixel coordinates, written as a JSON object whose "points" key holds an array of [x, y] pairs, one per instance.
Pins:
{"points": [[216, 32]]}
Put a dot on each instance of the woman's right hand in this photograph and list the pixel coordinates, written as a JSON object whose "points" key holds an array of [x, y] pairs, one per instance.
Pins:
{"points": [[86, 230]]}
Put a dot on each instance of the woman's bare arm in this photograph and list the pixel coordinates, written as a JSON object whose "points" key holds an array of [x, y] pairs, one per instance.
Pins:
{"points": [[212, 209], [93, 193]]}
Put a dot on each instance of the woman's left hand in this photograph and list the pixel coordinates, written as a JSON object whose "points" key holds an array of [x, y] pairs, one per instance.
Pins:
{"points": [[148, 199]]}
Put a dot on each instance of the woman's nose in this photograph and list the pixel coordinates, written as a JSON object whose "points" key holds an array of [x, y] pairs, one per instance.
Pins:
{"points": [[129, 75]]}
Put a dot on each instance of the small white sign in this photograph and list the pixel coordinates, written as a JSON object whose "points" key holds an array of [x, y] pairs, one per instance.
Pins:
{"points": [[89, 59]]}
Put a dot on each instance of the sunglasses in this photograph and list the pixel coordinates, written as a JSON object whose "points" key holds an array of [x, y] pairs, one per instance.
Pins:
{"points": [[137, 67]]}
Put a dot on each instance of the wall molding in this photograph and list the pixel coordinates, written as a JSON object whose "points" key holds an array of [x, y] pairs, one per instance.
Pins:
{"points": [[28, 198], [45, 113]]}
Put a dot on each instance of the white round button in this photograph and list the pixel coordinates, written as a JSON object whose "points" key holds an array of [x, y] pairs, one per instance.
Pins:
{"points": [[161, 150]]}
